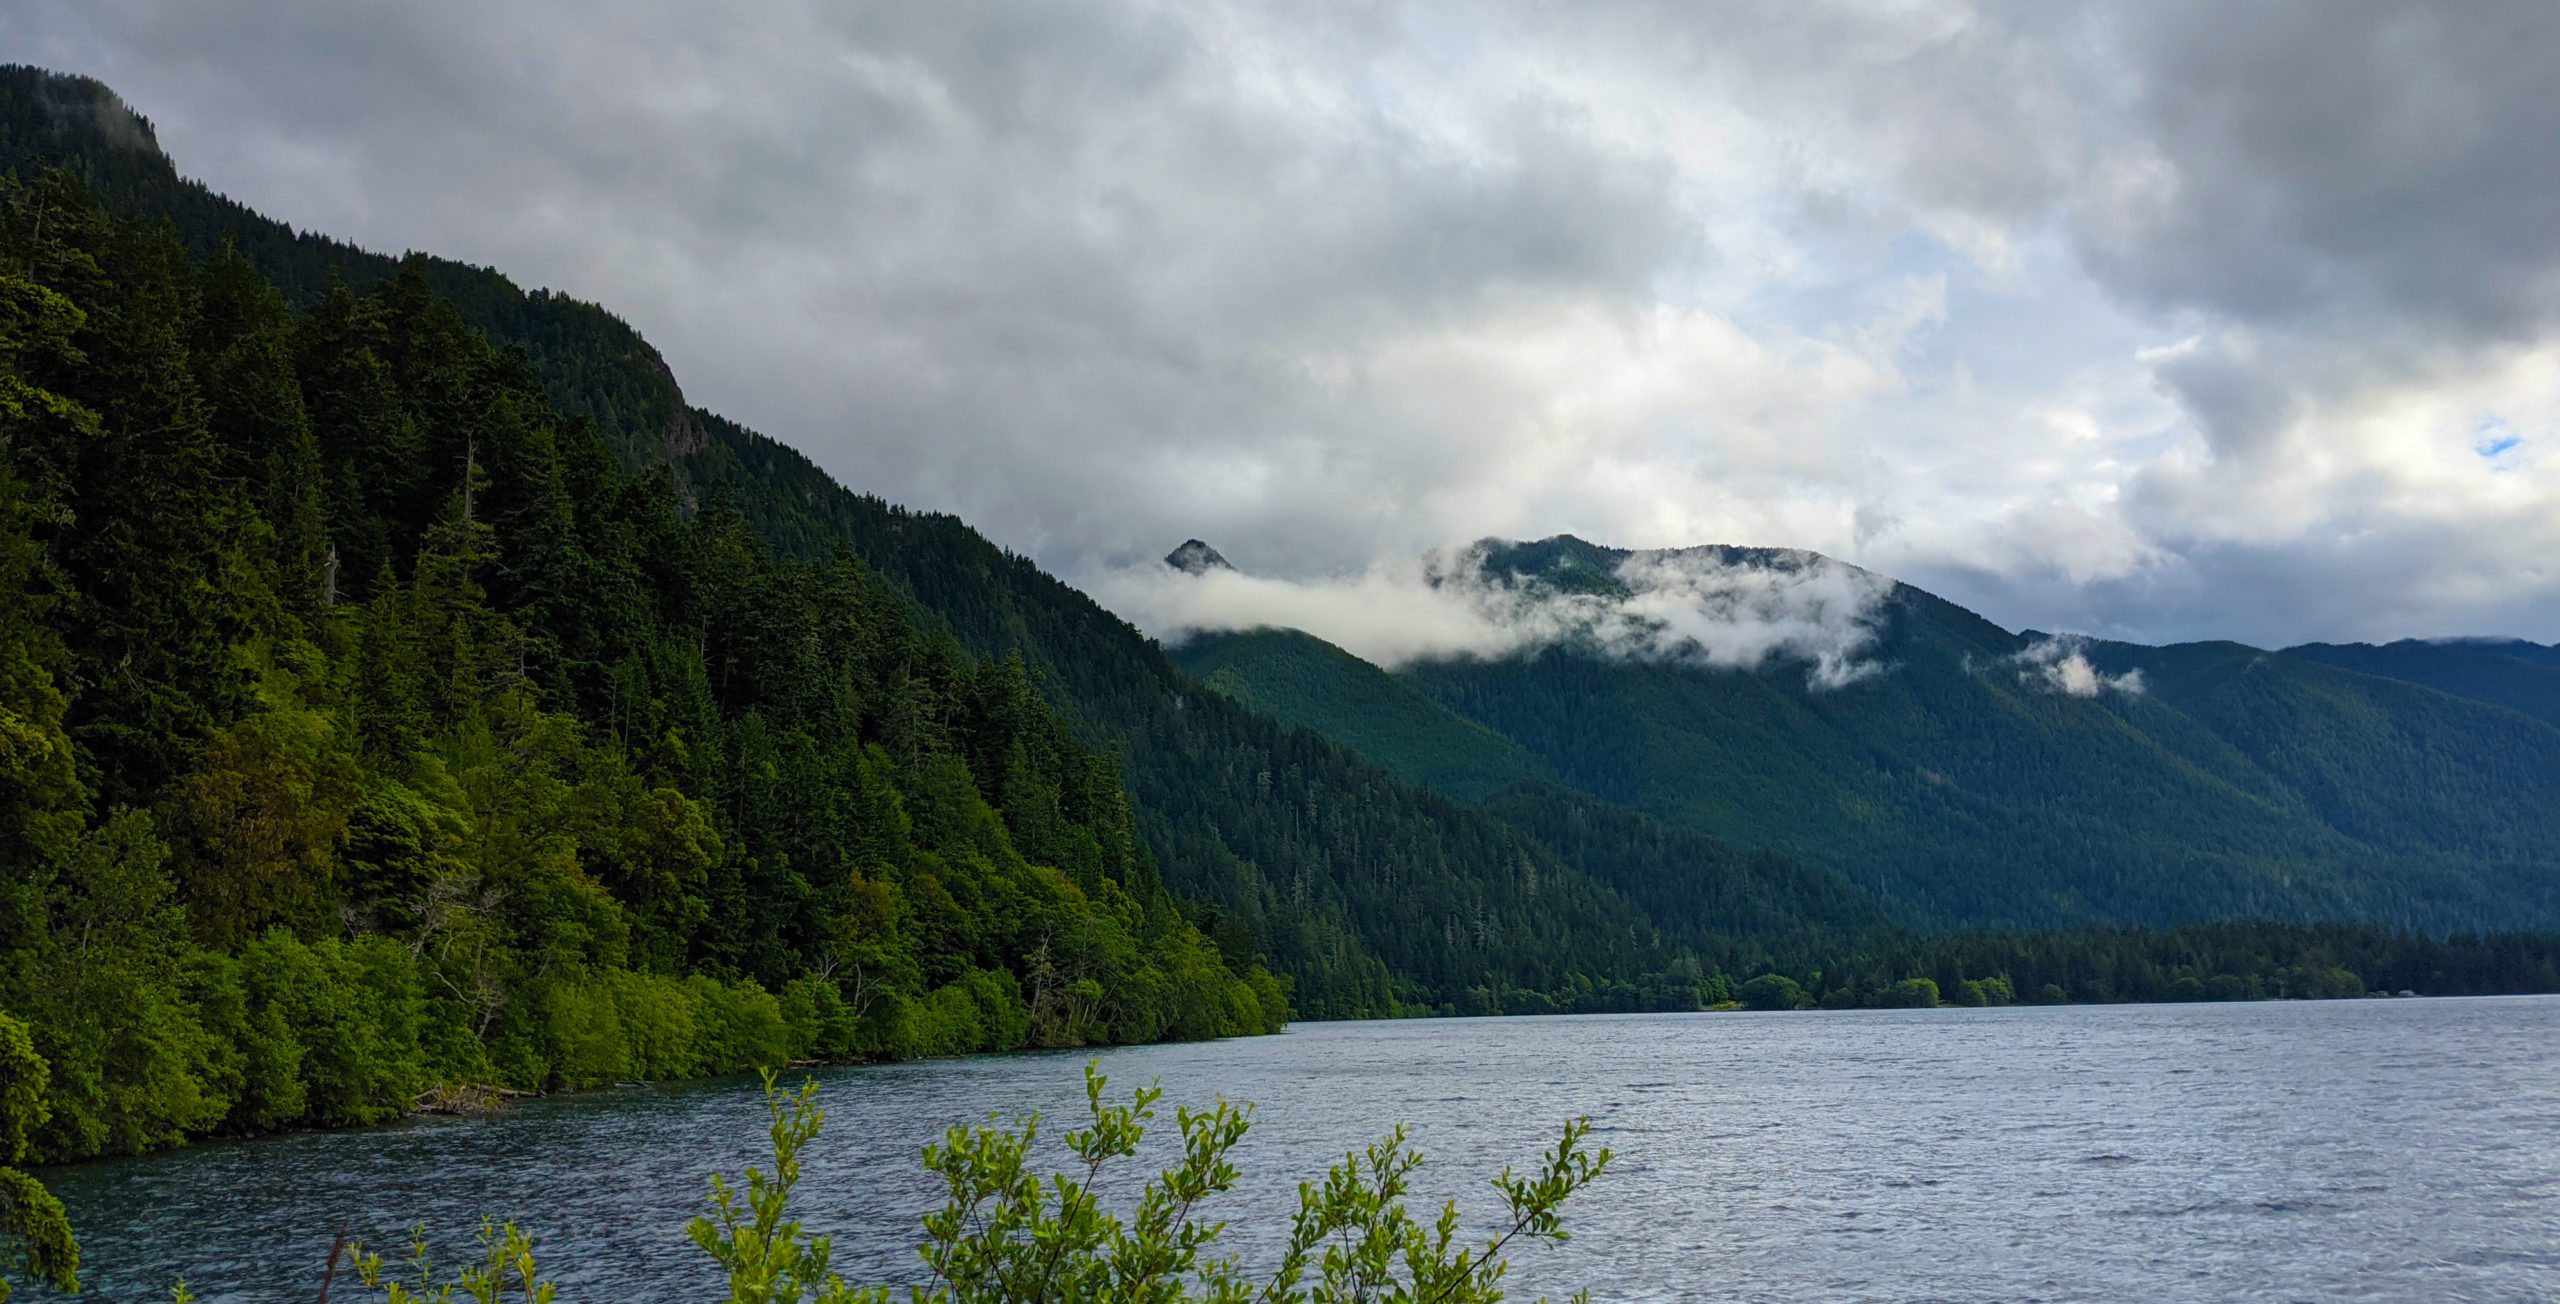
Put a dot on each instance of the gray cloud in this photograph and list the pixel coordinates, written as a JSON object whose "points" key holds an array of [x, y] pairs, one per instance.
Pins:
{"points": [[2171, 320], [2296, 160]]}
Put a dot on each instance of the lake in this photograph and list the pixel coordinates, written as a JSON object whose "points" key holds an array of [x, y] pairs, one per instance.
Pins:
{"points": [[2377, 1149]]}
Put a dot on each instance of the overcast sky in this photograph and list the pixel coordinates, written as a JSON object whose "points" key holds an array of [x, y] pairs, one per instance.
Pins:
{"points": [[2159, 320]]}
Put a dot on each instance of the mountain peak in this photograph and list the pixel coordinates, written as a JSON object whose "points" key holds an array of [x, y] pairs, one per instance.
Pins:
{"points": [[73, 105], [1575, 564], [1196, 558]]}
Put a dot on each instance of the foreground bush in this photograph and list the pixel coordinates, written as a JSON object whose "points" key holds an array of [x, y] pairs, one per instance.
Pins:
{"points": [[1008, 1234]]}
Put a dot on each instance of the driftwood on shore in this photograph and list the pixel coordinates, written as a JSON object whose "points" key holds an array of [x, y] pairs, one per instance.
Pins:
{"points": [[468, 1098]]}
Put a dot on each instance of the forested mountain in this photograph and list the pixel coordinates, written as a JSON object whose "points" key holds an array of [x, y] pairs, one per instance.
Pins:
{"points": [[1690, 884], [1370, 895], [589, 362], [2504, 672], [1687, 881], [365, 726], [1316, 685], [1973, 777]]}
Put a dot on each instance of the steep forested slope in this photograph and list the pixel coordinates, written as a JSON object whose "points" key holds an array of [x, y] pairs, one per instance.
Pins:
{"points": [[1693, 885], [1302, 680], [1341, 874], [1686, 880], [2393, 765], [589, 362], [364, 727], [1370, 893]]}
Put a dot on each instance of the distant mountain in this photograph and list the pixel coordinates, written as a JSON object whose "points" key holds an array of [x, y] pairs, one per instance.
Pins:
{"points": [[1686, 882], [1970, 776], [2512, 673], [1197, 558]]}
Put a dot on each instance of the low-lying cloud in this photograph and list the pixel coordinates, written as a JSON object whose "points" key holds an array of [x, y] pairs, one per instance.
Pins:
{"points": [[1694, 606], [2060, 664], [1690, 605]]}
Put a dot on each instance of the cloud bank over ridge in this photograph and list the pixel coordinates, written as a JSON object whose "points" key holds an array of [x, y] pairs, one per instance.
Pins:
{"points": [[2162, 321], [1689, 607]]}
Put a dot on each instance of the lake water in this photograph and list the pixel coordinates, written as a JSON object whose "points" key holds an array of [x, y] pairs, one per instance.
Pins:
{"points": [[2385, 1150]]}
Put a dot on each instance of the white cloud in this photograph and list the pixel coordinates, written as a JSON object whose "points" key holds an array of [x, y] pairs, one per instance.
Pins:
{"points": [[1799, 607], [1697, 607], [2061, 664]]}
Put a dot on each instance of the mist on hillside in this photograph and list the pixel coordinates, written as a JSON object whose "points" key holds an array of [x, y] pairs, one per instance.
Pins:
{"points": [[1692, 606]]}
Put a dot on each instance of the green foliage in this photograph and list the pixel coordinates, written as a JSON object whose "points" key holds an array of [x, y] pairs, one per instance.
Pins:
{"points": [[504, 1274], [101, 985], [355, 1010], [40, 791], [31, 1220], [2196, 962], [1301, 680], [1007, 1232], [366, 731], [596, 1027], [981, 1010], [1772, 991], [1978, 992], [768, 1259]]}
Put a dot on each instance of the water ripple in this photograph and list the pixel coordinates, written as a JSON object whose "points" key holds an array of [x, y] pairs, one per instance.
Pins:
{"points": [[2381, 1150]]}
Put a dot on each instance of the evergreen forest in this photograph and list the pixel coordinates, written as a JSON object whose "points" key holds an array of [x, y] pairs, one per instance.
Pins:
{"points": [[367, 728]]}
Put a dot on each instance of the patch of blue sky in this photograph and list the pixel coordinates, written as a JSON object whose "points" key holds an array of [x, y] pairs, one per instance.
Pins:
{"points": [[2494, 438]]}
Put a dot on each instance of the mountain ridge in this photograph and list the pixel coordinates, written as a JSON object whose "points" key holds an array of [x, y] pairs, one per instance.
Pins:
{"points": [[1984, 777]]}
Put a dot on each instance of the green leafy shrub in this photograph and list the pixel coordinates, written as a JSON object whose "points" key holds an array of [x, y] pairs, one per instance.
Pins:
{"points": [[1009, 1234], [357, 1008], [981, 1010], [31, 1220], [821, 1023], [1773, 991], [614, 1025], [740, 1025]]}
